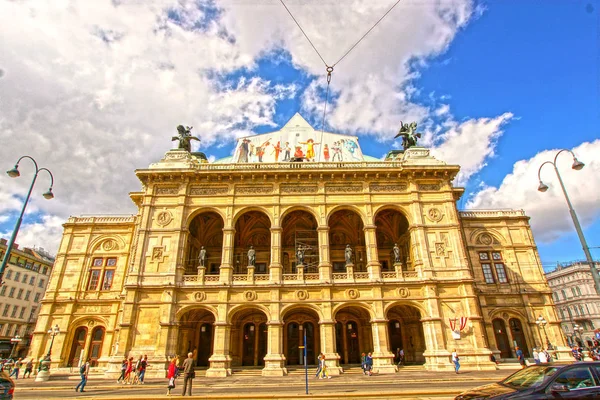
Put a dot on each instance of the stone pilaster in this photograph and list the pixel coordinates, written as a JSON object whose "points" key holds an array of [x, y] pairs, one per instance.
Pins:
{"points": [[274, 359], [276, 269], [332, 359], [325, 267], [226, 270], [373, 265], [220, 361], [383, 359]]}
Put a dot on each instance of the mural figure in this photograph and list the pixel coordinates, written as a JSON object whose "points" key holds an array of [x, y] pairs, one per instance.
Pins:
{"points": [[185, 138], [287, 149], [348, 254], [337, 151], [396, 253], [298, 153], [276, 151], [202, 256], [310, 149], [326, 152], [251, 257], [351, 146], [243, 156]]}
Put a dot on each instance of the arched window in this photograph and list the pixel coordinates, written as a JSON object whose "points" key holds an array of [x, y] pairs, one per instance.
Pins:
{"points": [[576, 310], [581, 309], [578, 291], [96, 345], [564, 294]]}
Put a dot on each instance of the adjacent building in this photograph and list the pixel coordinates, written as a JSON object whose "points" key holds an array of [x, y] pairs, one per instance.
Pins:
{"points": [[577, 302], [298, 234], [25, 280]]}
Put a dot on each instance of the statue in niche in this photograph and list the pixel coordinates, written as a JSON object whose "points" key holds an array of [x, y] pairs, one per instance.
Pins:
{"points": [[408, 134], [185, 138], [202, 257], [348, 254], [251, 257], [396, 253], [300, 255]]}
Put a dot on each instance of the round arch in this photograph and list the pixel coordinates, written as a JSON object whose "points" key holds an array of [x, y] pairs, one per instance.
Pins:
{"points": [[415, 304], [362, 305], [347, 207], [240, 309], [353, 331], [288, 210], [496, 235], [204, 236], [185, 309], [95, 243], [201, 210], [393, 207], [406, 336], [238, 213], [301, 323], [512, 313], [299, 230], [291, 308], [252, 231]]}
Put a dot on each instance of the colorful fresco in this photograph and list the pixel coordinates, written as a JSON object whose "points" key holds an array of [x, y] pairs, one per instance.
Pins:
{"points": [[298, 143]]}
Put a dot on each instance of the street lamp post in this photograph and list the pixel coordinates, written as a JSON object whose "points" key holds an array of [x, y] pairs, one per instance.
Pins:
{"points": [[44, 373], [14, 173], [541, 323], [577, 165], [15, 342]]}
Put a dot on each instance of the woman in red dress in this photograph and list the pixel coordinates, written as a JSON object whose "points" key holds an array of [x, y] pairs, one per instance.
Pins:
{"points": [[171, 374]]}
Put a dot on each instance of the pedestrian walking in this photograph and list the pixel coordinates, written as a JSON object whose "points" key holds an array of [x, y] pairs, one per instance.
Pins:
{"points": [[400, 354], [188, 374], [455, 361], [520, 357], [369, 364], [543, 356], [17, 368], [84, 370], [136, 371], [536, 356], [363, 363], [324, 374], [319, 365], [123, 370], [547, 355], [171, 375], [28, 368], [143, 366], [128, 370]]}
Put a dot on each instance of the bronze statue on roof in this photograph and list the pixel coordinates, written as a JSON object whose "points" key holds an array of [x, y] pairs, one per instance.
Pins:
{"points": [[409, 135], [184, 137]]}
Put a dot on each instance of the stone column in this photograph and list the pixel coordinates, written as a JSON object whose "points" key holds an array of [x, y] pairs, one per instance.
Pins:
{"points": [[383, 359], [276, 268], [274, 360], [332, 359], [226, 270], [325, 267], [220, 361], [373, 265]]}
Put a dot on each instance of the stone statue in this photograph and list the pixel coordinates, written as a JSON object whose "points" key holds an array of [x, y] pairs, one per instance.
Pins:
{"points": [[300, 255], [396, 253], [185, 138], [251, 257], [202, 257], [409, 135], [348, 254]]}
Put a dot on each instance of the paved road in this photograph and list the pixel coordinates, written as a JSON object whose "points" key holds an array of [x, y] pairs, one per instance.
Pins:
{"points": [[417, 385]]}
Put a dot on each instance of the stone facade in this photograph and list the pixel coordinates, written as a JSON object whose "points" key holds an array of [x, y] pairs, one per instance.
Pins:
{"points": [[25, 280], [576, 300], [234, 310]]}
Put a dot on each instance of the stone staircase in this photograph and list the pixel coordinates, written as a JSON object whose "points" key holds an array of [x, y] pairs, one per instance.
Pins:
{"points": [[295, 370]]}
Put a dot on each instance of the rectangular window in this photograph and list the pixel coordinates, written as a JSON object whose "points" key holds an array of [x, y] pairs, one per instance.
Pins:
{"points": [[111, 262], [108, 279], [20, 294], [29, 265], [32, 280], [27, 295], [22, 313], [94, 278], [45, 271], [24, 280], [37, 297], [41, 283], [13, 314], [12, 292], [501, 273], [484, 256], [32, 313], [6, 308], [496, 255], [97, 262], [487, 273], [36, 267], [9, 274], [1, 325], [17, 276], [3, 291], [573, 291]]}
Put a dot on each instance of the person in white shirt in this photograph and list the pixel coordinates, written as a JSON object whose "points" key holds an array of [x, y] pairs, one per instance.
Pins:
{"points": [[536, 356], [542, 356], [455, 360]]}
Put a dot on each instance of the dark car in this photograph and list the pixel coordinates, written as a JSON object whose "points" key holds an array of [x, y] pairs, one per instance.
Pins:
{"points": [[7, 387], [557, 380]]}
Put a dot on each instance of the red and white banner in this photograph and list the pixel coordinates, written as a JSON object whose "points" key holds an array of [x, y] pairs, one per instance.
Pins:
{"points": [[462, 323]]}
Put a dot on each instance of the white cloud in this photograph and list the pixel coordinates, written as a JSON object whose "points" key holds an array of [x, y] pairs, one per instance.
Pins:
{"points": [[549, 213], [94, 90], [46, 234]]}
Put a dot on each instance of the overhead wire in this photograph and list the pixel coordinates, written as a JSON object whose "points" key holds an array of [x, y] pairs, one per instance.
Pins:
{"points": [[329, 68]]}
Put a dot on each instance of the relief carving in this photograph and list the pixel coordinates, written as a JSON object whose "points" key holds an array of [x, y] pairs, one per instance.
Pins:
{"points": [[434, 214], [378, 187], [254, 189], [403, 292], [166, 190], [429, 186], [440, 249], [352, 294], [199, 296], [208, 190], [298, 188], [164, 218], [343, 189], [486, 239], [109, 245], [301, 294], [157, 253], [250, 295]]}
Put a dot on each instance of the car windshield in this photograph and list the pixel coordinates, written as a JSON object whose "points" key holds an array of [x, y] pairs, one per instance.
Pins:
{"points": [[530, 377]]}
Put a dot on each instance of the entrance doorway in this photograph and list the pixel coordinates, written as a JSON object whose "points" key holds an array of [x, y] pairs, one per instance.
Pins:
{"points": [[352, 334], [196, 335], [516, 330], [254, 346], [249, 334], [77, 346], [405, 331], [96, 345], [502, 342]]}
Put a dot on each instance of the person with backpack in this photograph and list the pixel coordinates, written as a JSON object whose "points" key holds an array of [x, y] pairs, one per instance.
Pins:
{"points": [[84, 370], [123, 369], [369, 364], [143, 365]]}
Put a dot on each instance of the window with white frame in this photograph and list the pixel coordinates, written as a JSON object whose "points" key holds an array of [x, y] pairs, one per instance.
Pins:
{"points": [[493, 267]]}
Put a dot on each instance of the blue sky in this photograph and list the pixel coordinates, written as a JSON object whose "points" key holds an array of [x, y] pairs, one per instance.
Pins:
{"points": [[523, 75]]}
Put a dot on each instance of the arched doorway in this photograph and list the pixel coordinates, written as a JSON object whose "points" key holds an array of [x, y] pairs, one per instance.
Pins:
{"points": [[253, 228], [392, 229], [346, 227], [77, 346], [353, 334], [205, 230], [405, 331], [299, 230], [196, 335], [502, 342], [249, 334], [96, 345], [298, 323], [518, 335]]}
